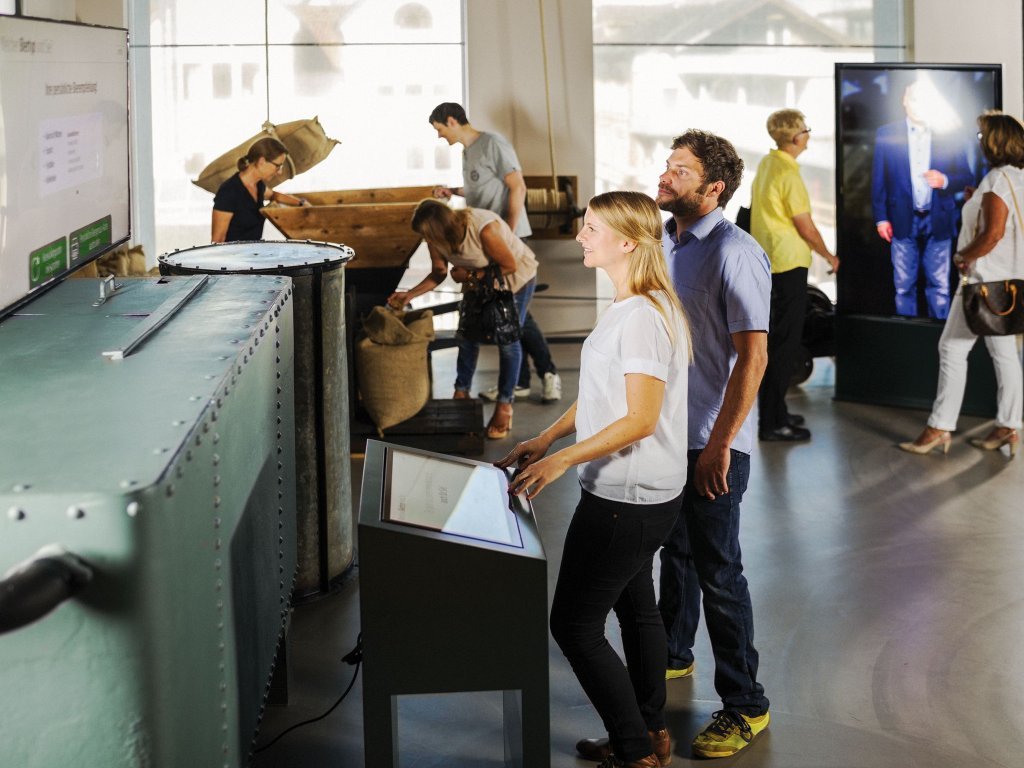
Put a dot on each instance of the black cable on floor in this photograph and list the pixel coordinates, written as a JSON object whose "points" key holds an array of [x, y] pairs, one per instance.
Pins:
{"points": [[354, 657]]}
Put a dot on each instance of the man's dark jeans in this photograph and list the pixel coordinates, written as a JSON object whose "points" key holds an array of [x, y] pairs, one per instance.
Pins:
{"points": [[535, 347], [702, 554], [607, 564]]}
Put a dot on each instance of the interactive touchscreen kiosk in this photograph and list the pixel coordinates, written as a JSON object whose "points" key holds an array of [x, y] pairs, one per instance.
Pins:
{"points": [[452, 579]]}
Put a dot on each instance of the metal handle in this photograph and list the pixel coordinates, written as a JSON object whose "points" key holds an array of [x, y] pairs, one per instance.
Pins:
{"points": [[32, 589]]}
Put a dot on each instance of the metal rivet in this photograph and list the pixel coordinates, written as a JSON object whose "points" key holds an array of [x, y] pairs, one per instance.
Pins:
{"points": [[128, 483], [216, 522], [170, 490], [20, 487], [16, 514], [75, 513], [132, 509]]}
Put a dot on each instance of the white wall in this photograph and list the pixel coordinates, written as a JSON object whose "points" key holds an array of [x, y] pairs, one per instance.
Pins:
{"points": [[980, 32], [505, 93]]}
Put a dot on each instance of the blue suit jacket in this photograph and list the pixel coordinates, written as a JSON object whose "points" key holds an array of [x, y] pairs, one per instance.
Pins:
{"points": [[892, 198]]}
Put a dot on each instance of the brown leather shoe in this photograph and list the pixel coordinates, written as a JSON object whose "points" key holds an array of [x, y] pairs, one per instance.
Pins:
{"points": [[599, 749], [662, 744], [651, 761]]}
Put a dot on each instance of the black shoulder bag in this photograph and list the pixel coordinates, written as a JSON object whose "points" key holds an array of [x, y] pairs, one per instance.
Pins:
{"points": [[487, 312]]}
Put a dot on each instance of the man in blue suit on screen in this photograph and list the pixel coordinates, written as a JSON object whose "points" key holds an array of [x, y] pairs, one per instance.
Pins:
{"points": [[914, 178]]}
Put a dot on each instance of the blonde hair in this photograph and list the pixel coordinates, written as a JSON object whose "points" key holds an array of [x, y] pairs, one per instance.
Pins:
{"points": [[784, 125], [442, 227], [636, 217], [1002, 139]]}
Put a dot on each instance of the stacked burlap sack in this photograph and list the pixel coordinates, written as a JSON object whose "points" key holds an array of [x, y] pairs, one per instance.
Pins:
{"points": [[391, 364]]}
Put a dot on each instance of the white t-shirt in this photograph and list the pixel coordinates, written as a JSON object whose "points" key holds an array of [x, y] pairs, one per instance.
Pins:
{"points": [[1006, 260], [631, 337]]}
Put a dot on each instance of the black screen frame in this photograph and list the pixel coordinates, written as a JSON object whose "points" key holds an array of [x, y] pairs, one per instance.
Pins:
{"points": [[863, 269]]}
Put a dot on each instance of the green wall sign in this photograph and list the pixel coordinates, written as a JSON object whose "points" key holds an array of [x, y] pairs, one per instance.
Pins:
{"points": [[46, 262], [90, 240]]}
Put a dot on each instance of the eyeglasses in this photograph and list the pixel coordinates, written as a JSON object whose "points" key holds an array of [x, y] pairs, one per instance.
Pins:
{"points": [[801, 133], [279, 166]]}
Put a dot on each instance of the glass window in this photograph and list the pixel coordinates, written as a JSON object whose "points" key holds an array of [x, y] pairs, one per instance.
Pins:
{"points": [[371, 73], [662, 67]]}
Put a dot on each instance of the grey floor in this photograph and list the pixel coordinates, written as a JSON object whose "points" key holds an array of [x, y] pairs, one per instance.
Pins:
{"points": [[888, 604]]}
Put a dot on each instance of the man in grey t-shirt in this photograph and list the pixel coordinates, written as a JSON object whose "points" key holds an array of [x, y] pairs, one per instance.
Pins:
{"points": [[493, 179]]}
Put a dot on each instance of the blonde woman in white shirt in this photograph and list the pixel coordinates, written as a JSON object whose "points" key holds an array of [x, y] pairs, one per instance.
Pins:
{"points": [[991, 247], [630, 450]]}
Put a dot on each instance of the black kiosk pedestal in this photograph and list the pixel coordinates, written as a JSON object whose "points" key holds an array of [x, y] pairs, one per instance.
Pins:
{"points": [[453, 596]]}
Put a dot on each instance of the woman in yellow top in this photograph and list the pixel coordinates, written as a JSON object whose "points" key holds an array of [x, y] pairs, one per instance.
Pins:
{"points": [[780, 221], [471, 239]]}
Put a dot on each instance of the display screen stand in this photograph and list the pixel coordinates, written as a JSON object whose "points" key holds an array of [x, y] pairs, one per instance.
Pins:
{"points": [[453, 596]]}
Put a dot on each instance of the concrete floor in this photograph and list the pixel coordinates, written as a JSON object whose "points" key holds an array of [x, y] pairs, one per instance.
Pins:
{"points": [[887, 599]]}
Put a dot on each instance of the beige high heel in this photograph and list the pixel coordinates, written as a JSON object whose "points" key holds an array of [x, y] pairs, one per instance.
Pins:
{"points": [[942, 440], [991, 443]]}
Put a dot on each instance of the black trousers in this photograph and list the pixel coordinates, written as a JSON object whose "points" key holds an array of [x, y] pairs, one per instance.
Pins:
{"points": [[607, 565], [785, 337]]}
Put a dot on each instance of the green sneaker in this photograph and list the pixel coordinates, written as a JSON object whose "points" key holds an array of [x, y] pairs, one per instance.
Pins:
{"points": [[728, 733], [675, 674]]}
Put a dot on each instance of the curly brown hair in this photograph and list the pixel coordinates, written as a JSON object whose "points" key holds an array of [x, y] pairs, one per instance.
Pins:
{"points": [[718, 158]]}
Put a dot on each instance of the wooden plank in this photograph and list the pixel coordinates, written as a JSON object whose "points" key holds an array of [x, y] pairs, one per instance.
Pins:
{"points": [[379, 195], [379, 233]]}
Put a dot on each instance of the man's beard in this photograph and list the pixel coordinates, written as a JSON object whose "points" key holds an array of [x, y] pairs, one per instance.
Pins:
{"points": [[684, 207]]}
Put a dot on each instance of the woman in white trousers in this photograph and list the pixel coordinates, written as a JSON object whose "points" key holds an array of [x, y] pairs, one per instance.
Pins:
{"points": [[990, 248]]}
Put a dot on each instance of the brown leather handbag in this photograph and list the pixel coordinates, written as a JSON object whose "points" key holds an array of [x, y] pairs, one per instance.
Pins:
{"points": [[995, 308]]}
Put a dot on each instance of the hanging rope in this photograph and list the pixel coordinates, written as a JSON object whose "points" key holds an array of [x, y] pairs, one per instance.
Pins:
{"points": [[547, 101], [266, 52]]}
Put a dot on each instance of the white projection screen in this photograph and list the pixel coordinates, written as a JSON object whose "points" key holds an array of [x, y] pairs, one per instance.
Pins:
{"points": [[64, 178]]}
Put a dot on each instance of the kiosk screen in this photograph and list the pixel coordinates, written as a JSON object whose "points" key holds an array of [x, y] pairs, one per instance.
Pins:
{"points": [[456, 497]]}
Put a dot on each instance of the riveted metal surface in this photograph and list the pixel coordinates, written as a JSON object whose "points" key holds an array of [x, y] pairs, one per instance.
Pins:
{"points": [[172, 473], [324, 506]]}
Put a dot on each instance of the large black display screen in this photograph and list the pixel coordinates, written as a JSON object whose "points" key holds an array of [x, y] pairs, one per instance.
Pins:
{"points": [[64, 197], [898, 221]]}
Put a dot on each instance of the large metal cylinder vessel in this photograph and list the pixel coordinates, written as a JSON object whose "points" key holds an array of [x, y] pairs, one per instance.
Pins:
{"points": [[324, 504]]}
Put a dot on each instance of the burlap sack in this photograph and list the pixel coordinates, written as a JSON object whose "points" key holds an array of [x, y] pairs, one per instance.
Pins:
{"points": [[391, 364], [306, 142]]}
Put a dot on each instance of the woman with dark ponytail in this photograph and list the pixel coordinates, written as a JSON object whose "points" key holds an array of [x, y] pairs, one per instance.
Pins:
{"points": [[236, 206]]}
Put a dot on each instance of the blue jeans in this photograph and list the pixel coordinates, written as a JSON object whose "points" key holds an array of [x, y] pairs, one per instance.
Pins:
{"points": [[510, 356], [607, 565], [921, 252], [702, 554]]}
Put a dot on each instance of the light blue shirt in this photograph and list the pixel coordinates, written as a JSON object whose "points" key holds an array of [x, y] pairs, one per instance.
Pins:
{"points": [[919, 149], [724, 281]]}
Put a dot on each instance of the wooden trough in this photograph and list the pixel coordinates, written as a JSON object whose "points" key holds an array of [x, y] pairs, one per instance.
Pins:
{"points": [[372, 222]]}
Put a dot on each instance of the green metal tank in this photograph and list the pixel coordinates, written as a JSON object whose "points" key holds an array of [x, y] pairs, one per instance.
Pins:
{"points": [[149, 437]]}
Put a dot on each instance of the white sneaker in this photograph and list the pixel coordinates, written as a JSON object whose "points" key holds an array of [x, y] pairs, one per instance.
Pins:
{"points": [[491, 395], [552, 388]]}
